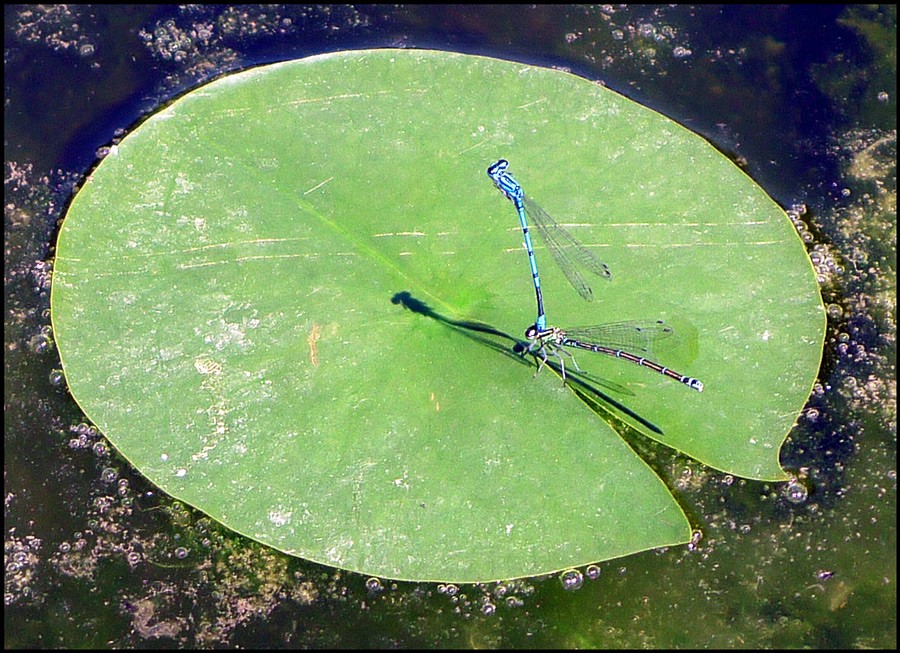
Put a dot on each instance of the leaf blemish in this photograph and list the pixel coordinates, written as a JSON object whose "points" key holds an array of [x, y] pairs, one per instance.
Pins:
{"points": [[312, 339]]}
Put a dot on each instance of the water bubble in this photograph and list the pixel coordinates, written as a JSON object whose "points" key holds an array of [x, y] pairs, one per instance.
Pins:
{"points": [[374, 585], [39, 343], [57, 377], [109, 475], [100, 449], [592, 572], [86, 50], [181, 553], [571, 580], [696, 536], [834, 311], [81, 442], [488, 608], [796, 492]]}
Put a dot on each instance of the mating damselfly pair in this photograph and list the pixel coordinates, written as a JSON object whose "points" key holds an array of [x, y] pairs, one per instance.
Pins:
{"points": [[632, 341]]}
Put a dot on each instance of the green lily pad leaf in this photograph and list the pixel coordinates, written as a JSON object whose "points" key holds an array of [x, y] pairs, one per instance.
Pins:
{"points": [[294, 300]]}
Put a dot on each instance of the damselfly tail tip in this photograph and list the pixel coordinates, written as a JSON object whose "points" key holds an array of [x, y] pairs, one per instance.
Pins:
{"points": [[695, 384]]}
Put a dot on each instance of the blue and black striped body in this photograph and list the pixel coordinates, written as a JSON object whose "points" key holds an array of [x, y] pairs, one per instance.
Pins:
{"points": [[572, 257], [513, 191]]}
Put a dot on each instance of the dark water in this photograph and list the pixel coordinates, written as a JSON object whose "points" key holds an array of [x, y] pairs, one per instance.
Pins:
{"points": [[803, 98]]}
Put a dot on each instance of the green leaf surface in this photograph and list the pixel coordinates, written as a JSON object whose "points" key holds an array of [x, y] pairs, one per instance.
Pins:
{"points": [[291, 300]]}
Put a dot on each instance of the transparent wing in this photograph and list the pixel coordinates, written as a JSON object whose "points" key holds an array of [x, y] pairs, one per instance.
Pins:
{"points": [[571, 256], [637, 336]]}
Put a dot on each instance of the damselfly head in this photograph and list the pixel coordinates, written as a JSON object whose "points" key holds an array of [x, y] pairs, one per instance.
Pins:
{"points": [[531, 332], [498, 167]]}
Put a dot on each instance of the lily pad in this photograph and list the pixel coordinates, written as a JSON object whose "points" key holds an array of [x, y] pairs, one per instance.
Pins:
{"points": [[292, 299]]}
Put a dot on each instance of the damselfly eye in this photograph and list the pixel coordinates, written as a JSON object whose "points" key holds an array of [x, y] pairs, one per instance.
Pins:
{"points": [[498, 167]]}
